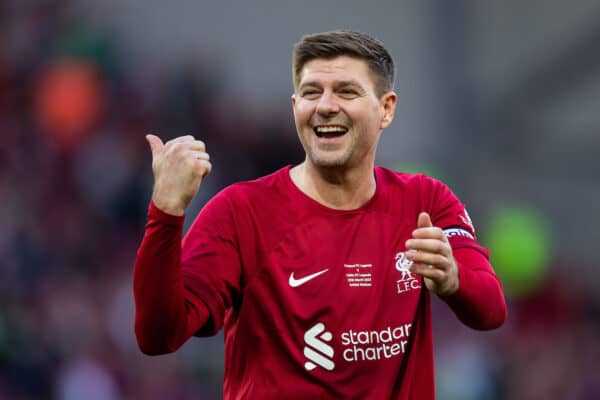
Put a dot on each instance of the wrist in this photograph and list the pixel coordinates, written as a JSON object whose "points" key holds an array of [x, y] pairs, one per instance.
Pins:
{"points": [[453, 284], [168, 206]]}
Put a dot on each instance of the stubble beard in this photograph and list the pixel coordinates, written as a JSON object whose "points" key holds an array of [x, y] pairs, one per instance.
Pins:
{"points": [[322, 158], [322, 161]]}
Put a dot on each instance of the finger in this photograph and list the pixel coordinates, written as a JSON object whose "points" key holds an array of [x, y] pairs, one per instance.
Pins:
{"points": [[203, 167], [197, 145], [424, 221], [199, 155], [434, 260], [184, 146], [180, 139], [429, 233], [429, 245], [156, 144], [427, 271]]}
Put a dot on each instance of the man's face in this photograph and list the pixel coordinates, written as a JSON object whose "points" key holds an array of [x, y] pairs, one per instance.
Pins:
{"points": [[338, 115]]}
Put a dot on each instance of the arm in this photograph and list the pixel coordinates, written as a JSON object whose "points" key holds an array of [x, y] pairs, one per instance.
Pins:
{"points": [[459, 274], [457, 270], [452, 263], [479, 301], [166, 313]]}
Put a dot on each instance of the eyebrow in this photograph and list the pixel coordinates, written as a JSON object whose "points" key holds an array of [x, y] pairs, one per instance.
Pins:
{"points": [[337, 84], [348, 83]]}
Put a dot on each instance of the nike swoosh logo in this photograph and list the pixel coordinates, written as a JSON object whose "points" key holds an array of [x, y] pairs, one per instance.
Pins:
{"points": [[297, 282]]}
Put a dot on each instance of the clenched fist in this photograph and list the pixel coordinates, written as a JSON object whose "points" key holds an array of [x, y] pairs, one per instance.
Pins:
{"points": [[179, 167], [432, 258]]}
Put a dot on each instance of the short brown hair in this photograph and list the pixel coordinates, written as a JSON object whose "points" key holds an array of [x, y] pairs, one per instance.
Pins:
{"points": [[333, 44]]}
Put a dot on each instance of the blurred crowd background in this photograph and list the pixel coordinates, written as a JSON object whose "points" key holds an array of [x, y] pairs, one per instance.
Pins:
{"points": [[499, 99]]}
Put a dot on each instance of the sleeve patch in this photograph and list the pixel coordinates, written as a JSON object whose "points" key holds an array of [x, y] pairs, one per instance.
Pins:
{"points": [[466, 219]]}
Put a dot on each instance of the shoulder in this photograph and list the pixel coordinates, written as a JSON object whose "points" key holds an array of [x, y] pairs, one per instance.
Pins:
{"points": [[436, 198], [260, 193], [420, 191], [241, 200], [414, 182], [265, 186]]}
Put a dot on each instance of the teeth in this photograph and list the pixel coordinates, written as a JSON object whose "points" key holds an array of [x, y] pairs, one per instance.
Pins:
{"points": [[330, 129]]}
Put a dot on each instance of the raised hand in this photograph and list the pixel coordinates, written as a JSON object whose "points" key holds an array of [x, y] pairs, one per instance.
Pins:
{"points": [[179, 166], [432, 258]]}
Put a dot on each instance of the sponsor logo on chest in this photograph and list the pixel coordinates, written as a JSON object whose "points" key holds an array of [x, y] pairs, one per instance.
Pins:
{"points": [[354, 345]]}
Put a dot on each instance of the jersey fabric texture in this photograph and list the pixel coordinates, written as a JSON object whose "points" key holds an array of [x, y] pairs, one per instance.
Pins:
{"points": [[315, 302]]}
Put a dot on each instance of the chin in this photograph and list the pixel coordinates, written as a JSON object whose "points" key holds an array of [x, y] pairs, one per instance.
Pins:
{"points": [[329, 162]]}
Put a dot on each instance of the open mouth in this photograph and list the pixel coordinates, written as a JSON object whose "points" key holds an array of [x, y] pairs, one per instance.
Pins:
{"points": [[330, 131]]}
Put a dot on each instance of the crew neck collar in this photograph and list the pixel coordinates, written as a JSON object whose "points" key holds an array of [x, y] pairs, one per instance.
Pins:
{"points": [[314, 204]]}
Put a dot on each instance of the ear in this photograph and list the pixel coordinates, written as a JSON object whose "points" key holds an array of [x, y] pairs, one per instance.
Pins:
{"points": [[294, 104], [388, 103]]}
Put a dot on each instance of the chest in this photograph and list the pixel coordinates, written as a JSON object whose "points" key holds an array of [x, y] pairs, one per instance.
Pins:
{"points": [[342, 267]]}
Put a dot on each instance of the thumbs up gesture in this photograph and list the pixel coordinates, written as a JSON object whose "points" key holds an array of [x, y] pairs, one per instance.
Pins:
{"points": [[179, 166], [432, 258]]}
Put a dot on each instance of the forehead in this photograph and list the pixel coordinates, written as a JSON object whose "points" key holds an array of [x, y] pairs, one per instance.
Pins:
{"points": [[341, 68]]}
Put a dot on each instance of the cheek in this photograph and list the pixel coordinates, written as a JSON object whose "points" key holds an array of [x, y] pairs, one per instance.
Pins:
{"points": [[376, 118], [302, 114], [302, 123], [369, 119]]}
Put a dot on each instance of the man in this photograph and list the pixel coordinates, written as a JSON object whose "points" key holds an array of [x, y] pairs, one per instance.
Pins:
{"points": [[319, 273]]}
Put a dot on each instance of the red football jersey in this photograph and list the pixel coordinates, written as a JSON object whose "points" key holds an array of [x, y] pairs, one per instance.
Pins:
{"points": [[317, 302]]}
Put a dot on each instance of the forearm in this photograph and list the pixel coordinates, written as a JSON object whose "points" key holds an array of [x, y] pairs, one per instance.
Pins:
{"points": [[479, 302], [164, 318]]}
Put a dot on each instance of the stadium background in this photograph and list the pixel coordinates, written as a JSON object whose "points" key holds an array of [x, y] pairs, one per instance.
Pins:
{"points": [[499, 99]]}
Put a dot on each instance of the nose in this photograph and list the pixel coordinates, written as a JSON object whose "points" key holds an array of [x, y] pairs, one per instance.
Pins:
{"points": [[327, 105]]}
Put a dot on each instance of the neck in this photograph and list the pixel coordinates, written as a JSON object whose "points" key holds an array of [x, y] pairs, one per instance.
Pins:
{"points": [[340, 189]]}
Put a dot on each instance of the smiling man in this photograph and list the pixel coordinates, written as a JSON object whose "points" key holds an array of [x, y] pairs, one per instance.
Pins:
{"points": [[320, 274]]}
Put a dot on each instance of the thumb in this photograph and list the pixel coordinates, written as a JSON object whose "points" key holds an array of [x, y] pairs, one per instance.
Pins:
{"points": [[156, 144], [424, 220]]}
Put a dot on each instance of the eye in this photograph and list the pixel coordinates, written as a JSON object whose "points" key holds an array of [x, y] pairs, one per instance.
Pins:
{"points": [[348, 93], [310, 93]]}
